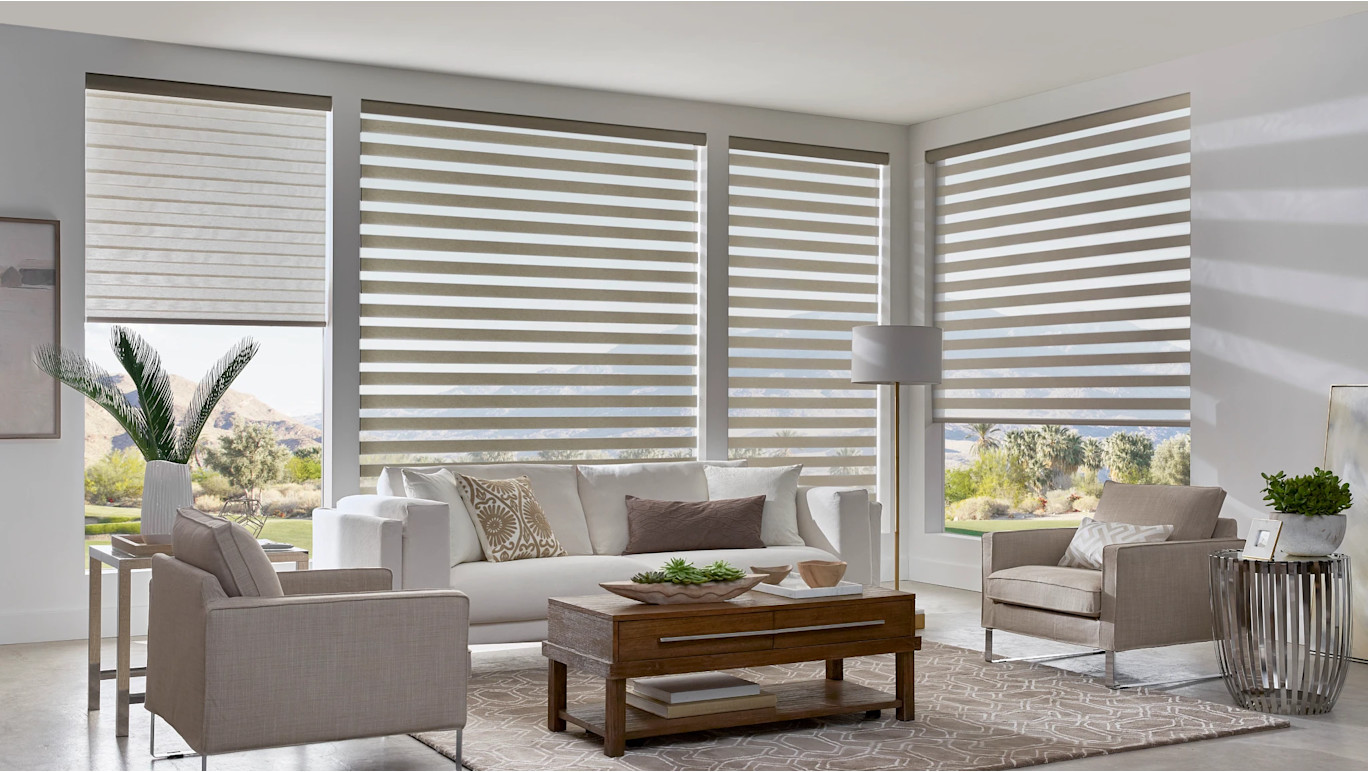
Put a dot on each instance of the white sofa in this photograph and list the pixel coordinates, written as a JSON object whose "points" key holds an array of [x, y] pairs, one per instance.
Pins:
{"points": [[426, 545]]}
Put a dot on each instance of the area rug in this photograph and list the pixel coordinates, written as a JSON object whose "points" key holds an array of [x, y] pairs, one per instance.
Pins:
{"points": [[970, 715]]}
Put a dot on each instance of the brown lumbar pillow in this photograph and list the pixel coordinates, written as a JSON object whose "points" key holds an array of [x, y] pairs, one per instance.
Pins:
{"points": [[508, 519], [665, 526]]}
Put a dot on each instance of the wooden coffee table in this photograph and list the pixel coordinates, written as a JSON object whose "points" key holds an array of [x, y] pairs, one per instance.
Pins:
{"points": [[616, 639]]}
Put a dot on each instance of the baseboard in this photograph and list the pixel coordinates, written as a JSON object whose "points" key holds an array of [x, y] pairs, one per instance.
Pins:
{"points": [[944, 573]]}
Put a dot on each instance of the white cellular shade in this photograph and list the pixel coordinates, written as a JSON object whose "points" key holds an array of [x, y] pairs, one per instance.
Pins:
{"points": [[529, 289], [805, 245], [206, 210], [1062, 271]]}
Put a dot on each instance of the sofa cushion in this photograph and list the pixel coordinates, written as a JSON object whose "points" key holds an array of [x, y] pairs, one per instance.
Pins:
{"points": [[1191, 510], [517, 591], [657, 526], [508, 518], [1091, 538], [779, 486], [1053, 588], [441, 486], [226, 550], [604, 488], [554, 485], [742, 559]]}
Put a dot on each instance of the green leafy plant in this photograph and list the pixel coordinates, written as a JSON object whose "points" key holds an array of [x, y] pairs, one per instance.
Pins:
{"points": [[681, 571], [151, 422], [1318, 493]]}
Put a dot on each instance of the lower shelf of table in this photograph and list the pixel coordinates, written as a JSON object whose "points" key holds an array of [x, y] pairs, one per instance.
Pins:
{"points": [[799, 699]]}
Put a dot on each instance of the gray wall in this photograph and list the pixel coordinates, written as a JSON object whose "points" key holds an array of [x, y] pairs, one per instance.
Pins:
{"points": [[1280, 279], [42, 81]]}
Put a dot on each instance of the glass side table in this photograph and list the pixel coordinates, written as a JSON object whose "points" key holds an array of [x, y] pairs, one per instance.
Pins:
{"points": [[1282, 630]]}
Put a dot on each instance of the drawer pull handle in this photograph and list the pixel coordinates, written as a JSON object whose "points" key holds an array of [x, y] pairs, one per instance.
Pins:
{"points": [[776, 631]]}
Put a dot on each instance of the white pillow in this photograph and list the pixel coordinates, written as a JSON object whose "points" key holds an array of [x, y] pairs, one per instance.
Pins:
{"points": [[604, 488], [1085, 550], [779, 486], [441, 486]]}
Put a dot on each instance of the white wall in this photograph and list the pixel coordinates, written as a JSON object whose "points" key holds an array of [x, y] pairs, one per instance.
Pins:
{"points": [[1279, 271], [42, 81]]}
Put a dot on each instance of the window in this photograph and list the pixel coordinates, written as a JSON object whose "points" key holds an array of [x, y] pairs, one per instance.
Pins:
{"points": [[206, 221], [529, 289], [805, 251], [1062, 285]]}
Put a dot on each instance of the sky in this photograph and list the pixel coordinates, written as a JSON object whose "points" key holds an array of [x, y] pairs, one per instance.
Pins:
{"points": [[287, 373]]}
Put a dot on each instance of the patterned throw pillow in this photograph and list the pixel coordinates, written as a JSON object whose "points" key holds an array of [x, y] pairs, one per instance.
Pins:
{"points": [[510, 522], [1085, 551]]}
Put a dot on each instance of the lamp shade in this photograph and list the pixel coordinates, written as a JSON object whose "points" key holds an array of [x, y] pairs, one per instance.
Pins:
{"points": [[895, 353]]}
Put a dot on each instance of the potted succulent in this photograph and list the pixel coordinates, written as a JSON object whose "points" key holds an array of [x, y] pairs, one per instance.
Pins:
{"points": [[679, 581], [1310, 509], [151, 420]]}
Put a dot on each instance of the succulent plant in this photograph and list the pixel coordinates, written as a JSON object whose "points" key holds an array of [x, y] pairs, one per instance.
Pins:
{"points": [[681, 571], [1318, 493], [722, 571], [649, 577]]}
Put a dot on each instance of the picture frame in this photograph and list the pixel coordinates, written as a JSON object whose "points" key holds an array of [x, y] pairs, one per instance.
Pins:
{"points": [[1262, 542], [30, 315], [1346, 454]]}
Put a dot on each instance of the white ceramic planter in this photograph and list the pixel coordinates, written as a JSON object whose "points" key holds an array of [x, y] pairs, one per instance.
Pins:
{"points": [[166, 488], [1307, 535]]}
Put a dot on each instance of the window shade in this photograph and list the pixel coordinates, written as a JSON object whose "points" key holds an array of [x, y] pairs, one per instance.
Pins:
{"points": [[1062, 271], [805, 236], [529, 289], [205, 208]]}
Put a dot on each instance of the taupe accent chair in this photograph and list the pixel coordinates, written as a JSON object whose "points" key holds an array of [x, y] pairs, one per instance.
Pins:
{"points": [[1146, 595], [242, 658]]}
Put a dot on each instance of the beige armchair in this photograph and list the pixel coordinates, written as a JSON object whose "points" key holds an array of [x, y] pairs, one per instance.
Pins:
{"points": [[1146, 595], [241, 658]]}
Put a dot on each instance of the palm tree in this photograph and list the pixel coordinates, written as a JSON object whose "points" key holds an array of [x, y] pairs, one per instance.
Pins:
{"points": [[986, 437]]}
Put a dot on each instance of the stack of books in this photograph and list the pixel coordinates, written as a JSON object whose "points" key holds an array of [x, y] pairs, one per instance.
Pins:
{"points": [[697, 694]]}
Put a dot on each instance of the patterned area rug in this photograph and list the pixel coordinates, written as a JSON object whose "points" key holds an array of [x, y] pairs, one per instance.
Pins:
{"points": [[970, 715]]}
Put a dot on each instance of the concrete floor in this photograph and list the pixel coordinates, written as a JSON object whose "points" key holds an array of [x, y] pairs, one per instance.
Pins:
{"points": [[44, 723]]}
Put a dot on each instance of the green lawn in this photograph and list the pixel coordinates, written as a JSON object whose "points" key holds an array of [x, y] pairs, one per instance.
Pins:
{"points": [[117, 513], [980, 527], [290, 531]]}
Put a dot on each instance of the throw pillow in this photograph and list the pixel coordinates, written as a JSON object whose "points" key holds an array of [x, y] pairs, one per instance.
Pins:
{"points": [[226, 550], [602, 488], [508, 518], [779, 486], [670, 526], [1085, 550], [441, 486]]}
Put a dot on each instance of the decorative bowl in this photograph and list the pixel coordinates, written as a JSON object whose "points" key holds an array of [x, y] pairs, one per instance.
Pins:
{"points": [[773, 574], [821, 573], [664, 593]]}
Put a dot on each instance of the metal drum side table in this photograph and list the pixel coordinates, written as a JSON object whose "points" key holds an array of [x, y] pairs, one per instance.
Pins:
{"points": [[1282, 630]]}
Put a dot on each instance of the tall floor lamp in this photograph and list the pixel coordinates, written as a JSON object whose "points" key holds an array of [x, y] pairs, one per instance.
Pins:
{"points": [[900, 355]]}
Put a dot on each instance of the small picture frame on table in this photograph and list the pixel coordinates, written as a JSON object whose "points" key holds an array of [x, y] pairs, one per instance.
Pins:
{"points": [[1262, 540]]}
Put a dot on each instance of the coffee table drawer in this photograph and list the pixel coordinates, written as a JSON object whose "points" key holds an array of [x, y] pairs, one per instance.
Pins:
{"points": [[840, 623], [720, 634]]}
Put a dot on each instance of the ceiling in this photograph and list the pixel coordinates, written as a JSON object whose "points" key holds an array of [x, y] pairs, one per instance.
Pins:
{"points": [[899, 62]]}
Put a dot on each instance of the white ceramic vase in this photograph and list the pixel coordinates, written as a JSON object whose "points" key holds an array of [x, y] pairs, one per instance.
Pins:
{"points": [[1310, 535], [166, 488]]}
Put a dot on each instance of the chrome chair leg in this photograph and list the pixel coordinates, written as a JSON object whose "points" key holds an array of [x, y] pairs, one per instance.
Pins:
{"points": [[988, 652], [1116, 685], [152, 746], [987, 644], [460, 738]]}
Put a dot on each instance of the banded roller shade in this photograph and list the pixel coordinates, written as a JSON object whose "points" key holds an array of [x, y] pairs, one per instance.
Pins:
{"points": [[205, 204], [805, 246], [529, 289], [1062, 271]]}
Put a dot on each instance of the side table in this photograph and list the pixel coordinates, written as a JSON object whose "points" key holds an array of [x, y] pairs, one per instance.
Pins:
{"points": [[1282, 630], [125, 564]]}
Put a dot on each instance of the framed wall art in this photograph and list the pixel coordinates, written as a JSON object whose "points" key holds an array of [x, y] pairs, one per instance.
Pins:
{"points": [[30, 315], [1346, 454]]}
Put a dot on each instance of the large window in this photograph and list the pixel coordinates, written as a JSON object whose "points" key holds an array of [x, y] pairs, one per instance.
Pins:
{"points": [[529, 289], [1062, 285], [206, 220], [805, 246]]}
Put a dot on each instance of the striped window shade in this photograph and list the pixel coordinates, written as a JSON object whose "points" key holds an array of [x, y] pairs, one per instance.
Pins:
{"points": [[529, 289], [805, 246], [205, 204], [1062, 271]]}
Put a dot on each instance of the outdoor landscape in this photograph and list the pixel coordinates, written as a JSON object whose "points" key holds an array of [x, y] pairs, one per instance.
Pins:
{"points": [[1003, 477]]}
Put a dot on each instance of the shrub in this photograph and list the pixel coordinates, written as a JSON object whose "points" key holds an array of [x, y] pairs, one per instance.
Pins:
{"points": [[1086, 503], [1172, 463], [305, 464], [996, 475], [1085, 483], [1060, 502], [1031, 504], [1318, 493], [208, 502], [959, 484], [977, 508], [116, 478], [95, 529], [209, 483], [292, 499]]}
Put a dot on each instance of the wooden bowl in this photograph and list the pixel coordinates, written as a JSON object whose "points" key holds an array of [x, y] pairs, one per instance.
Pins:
{"points": [[821, 573], [773, 574], [663, 593]]}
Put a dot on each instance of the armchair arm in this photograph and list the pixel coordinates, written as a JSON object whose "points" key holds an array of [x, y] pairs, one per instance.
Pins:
{"points": [[178, 596], [411, 537], [1158, 593], [1009, 549], [321, 582], [844, 522], [344, 666]]}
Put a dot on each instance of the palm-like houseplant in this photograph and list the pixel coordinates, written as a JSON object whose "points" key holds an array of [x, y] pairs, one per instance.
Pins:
{"points": [[151, 422]]}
